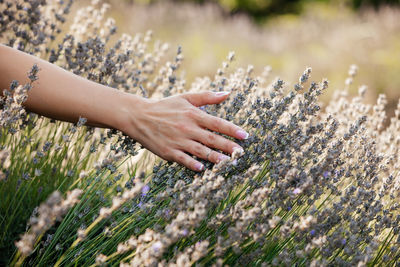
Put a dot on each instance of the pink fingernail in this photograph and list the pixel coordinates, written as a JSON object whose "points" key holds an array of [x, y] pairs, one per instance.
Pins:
{"points": [[222, 93], [198, 166], [222, 158], [242, 134]]}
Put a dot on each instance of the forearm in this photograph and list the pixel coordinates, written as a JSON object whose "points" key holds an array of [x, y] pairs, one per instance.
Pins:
{"points": [[62, 95]]}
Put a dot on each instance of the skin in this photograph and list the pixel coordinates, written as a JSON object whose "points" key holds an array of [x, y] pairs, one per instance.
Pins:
{"points": [[170, 127]]}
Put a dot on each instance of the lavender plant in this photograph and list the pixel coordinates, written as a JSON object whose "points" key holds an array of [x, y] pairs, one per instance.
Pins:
{"points": [[313, 187]]}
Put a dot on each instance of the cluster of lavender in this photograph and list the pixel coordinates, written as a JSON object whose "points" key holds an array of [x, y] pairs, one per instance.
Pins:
{"points": [[312, 187], [52, 210]]}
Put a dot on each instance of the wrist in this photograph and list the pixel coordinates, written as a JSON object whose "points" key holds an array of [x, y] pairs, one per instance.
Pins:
{"points": [[128, 108]]}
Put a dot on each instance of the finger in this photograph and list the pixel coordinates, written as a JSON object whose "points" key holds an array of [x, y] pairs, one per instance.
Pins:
{"points": [[216, 141], [187, 161], [205, 98], [222, 126], [201, 151]]}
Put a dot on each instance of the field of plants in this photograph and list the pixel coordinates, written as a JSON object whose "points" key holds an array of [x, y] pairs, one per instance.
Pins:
{"points": [[317, 184], [329, 38]]}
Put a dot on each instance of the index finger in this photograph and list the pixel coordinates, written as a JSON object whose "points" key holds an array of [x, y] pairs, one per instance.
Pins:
{"points": [[222, 126]]}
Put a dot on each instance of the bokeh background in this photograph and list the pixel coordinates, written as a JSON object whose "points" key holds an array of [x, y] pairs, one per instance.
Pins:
{"points": [[288, 36]]}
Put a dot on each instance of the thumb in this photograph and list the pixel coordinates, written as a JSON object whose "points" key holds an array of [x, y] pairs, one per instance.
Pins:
{"points": [[205, 98]]}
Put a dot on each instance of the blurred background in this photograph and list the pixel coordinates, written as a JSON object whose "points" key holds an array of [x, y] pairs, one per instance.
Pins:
{"points": [[290, 35]]}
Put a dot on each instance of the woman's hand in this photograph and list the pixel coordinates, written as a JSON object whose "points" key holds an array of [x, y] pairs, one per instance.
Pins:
{"points": [[174, 125]]}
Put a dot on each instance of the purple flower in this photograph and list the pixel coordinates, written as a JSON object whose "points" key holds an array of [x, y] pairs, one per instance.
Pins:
{"points": [[326, 174], [297, 191], [157, 246], [185, 232], [21, 46], [145, 190], [167, 212], [312, 232]]}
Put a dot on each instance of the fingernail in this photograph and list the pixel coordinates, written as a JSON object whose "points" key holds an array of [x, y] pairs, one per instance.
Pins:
{"points": [[242, 134], [198, 166], [222, 158], [222, 93]]}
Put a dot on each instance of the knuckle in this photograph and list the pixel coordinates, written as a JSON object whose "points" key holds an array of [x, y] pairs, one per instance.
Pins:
{"points": [[184, 102], [204, 95], [190, 113], [213, 156], [216, 124], [201, 115], [228, 146], [232, 129], [212, 138], [196, 149], [180, 158], [167, 153], [182, 127], [209, 139]]}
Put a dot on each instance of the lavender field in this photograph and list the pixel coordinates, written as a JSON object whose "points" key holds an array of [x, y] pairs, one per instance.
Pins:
{"points": [[316, 185]]}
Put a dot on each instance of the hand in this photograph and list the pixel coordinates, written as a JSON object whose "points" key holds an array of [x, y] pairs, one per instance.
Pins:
{"points": [[174, 125]]}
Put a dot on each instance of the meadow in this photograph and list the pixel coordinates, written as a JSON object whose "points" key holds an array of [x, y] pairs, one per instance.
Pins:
{"points": [[316, 185], [327, 37]]}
